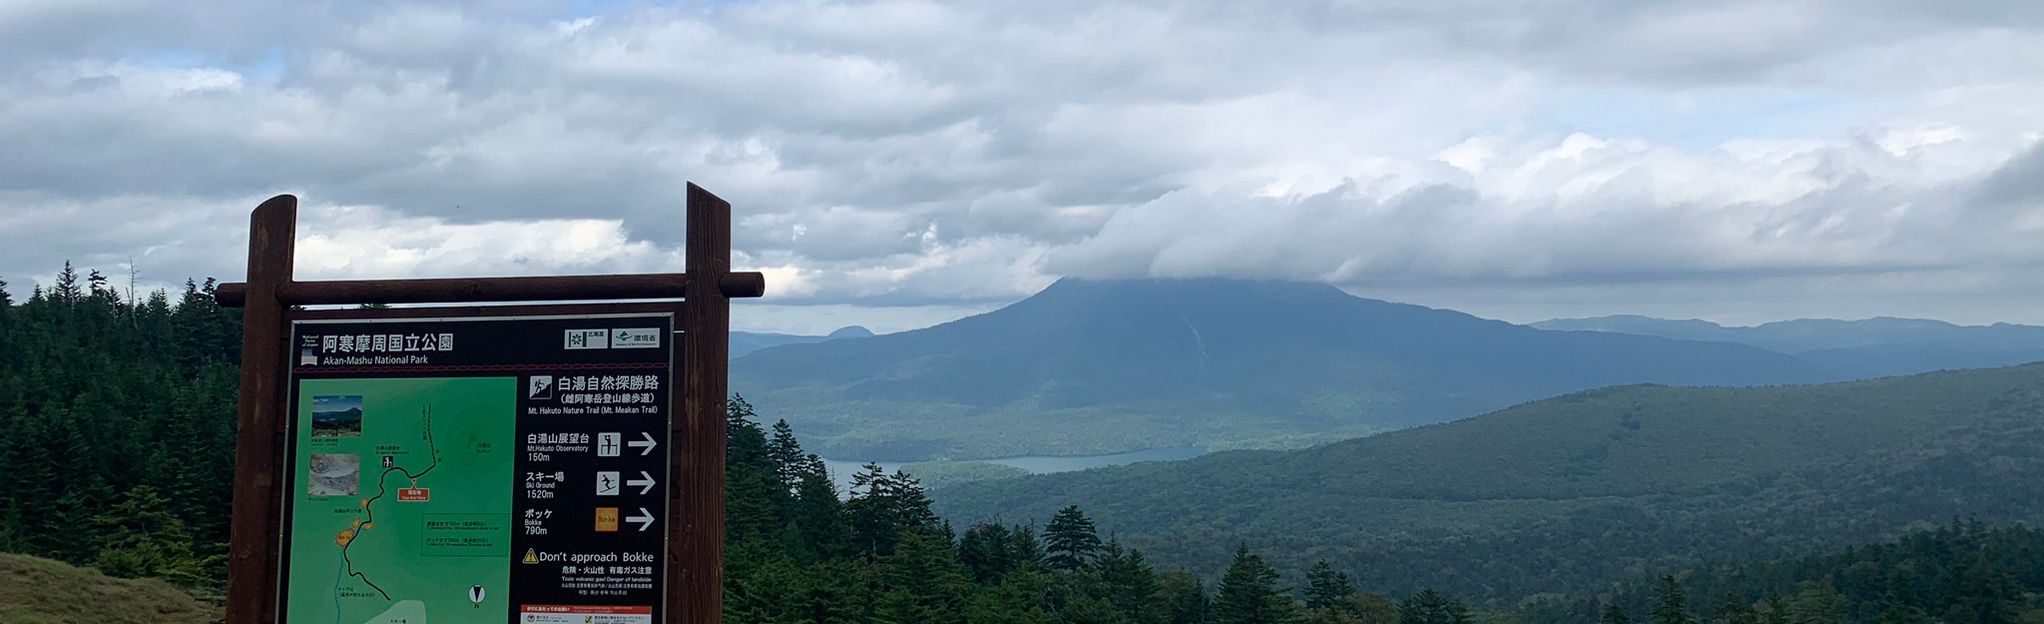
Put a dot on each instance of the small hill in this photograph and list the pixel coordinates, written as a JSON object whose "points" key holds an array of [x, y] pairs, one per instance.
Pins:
{"points": [[1584, 488], [1095, 367], [41, 591], [1849, 349], [744, 343], [850, 331]]}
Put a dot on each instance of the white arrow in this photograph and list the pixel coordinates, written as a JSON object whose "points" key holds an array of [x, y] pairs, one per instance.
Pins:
{"points": [[644, 519], [648, 443], [645, 485]]}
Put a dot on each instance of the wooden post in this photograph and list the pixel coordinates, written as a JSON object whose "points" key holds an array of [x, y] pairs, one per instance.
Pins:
{"points": [[252, 563], [695, 539]]}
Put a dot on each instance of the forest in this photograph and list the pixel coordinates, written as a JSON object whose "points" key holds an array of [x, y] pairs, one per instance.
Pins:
{"points": [[116, 446]]}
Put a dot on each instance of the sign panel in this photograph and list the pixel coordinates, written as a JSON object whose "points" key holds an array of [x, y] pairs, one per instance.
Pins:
{"points": [[478, 470]]}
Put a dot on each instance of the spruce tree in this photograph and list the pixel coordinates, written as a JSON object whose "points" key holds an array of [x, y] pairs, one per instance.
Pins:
{"points": [[1249, 593], [757, 505], [986, 552], [1024, 547], [786, 454], [924, 568], [1670, 603], [1731, 609], [1185, 599], [818, 516], [141, 538], [1129, 583], [1326, 588], [1614, 615], [1070, 541], [1818, 603], [1777, 611]]}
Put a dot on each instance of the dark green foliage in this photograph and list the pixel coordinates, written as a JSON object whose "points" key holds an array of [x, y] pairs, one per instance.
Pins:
{"points": [[1249, 593], [1671, 604], [1430, 607], [141, 538], [1327, 589], [1614, 615], [1963, 572], [117, 428], [1731, 609], [1586, 489], [1070, 542], [881, 556], [1130, 584]]}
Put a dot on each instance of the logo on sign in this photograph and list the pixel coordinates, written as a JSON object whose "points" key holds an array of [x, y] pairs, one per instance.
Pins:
{"points": [[635, 338], [586, 339], [540, 387], [606, 519]]}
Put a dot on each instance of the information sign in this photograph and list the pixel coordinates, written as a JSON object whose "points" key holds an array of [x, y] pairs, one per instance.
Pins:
{"points": [[478, 469]]}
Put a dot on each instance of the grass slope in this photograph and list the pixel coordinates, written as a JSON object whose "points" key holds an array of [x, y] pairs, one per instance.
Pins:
{"points": [[1584, 486], [41, 591]]}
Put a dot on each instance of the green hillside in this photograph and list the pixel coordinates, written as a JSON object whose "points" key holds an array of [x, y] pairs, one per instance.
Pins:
{"points": [[41, 591], [1586, 487]]}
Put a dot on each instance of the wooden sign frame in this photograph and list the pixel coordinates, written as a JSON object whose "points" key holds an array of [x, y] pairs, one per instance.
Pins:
{"points": [[695, 540]]}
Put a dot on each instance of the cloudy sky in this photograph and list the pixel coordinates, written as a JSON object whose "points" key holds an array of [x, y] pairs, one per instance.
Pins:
{"points": [[902, 163]]}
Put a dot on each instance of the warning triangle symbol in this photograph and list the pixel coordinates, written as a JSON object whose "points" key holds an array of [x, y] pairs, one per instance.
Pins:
{"points": [[531, 556]]}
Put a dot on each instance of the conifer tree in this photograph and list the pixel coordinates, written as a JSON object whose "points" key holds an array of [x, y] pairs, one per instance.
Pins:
{"points": [[1818, 603], [1777, 611], [1129, 583], [1070, 541], [1326, 588], [1671, 604], [1249, 593], [755, 499], [1185, 599], [924, 569], [1425, 607], [986, 550], [786, 454], [141, 538], [818, 516], [1024, 547], [1614, 615], [1733, 610]]}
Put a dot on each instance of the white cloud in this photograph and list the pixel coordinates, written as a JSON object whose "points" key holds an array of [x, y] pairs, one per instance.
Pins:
{"points": [[949, 156]]}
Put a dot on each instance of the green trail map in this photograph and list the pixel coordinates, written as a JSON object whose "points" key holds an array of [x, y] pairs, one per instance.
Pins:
{"points": [[400, 506]]}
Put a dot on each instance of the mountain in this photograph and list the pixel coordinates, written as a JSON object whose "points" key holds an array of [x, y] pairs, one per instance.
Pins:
{"points": [[743, 343], [1091, 367], [1849, 349], [1585, 488]]}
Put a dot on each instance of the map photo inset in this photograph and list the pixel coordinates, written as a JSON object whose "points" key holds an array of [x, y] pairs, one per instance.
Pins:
{"points": [[334, 475], [337, 416]]}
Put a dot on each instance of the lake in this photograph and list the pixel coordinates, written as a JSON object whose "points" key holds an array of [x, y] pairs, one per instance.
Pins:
{"points": [[843, 469]]}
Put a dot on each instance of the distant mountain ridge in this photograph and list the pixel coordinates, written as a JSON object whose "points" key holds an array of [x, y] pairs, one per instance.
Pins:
{"points": [[1091, 366], [1848, 349], [744, 343]]}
